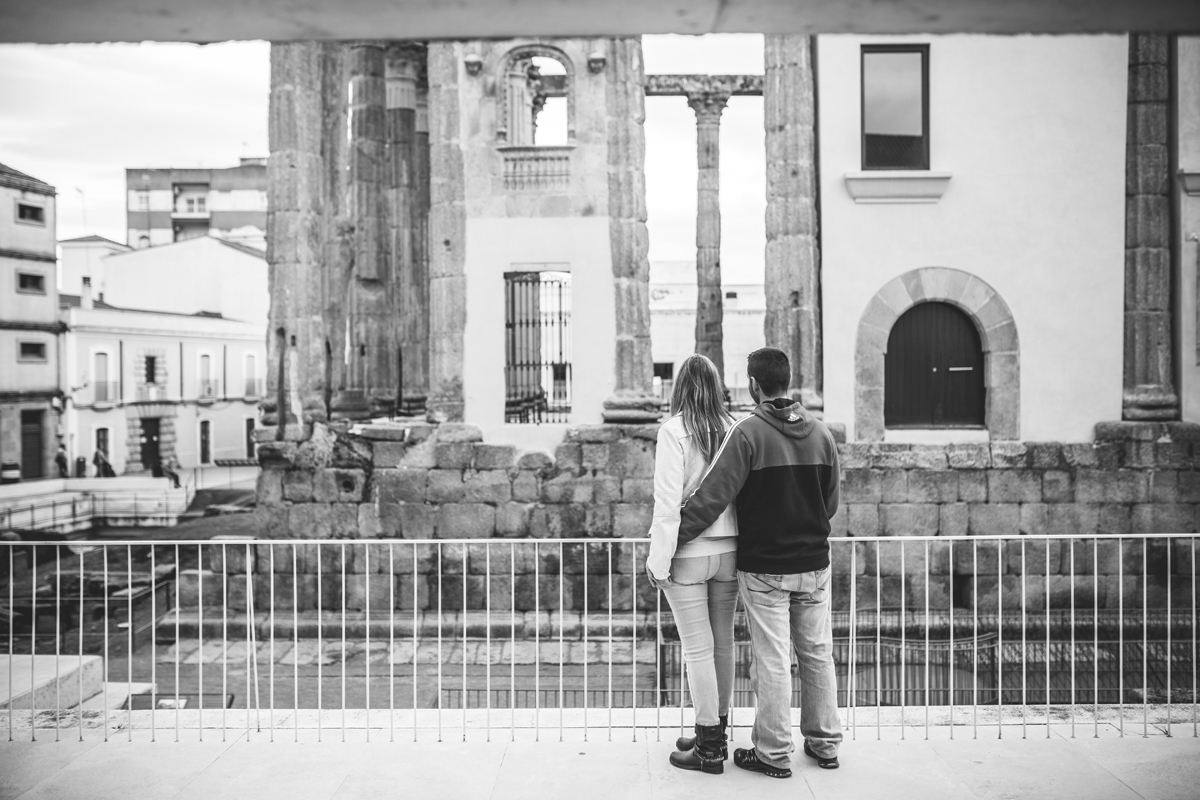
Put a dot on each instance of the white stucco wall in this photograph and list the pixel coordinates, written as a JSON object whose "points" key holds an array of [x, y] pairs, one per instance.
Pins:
{"points": [[1188, 233], [1032, 129], [579, 245]]}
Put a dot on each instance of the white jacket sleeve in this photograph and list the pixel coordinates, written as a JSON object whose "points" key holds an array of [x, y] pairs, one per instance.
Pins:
{"points": [[668, 497]]}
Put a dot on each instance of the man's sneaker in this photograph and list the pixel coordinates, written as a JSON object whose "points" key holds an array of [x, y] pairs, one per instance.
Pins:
{"points": [[823, 763], [748, 759]]}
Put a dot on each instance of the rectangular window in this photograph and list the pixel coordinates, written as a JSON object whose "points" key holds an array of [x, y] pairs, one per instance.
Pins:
{"points": [[664, 379], [102, 441], [151, 370], [537, 366], [195, 205], [143, 201], [250, 450], [205, 442], [101, 390], [31, 283], [34, 352], [30, 214], [895, 107]]}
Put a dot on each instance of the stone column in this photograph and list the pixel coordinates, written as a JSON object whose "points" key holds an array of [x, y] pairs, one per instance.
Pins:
{"points": [[633, 400], [708, 106], [297, 375], [416, 384], [447, 236], [793, 278], [1149, 380], [404, 65]]}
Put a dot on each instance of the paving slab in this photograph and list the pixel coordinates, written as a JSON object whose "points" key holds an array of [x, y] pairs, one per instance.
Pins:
{"points": [[25, 764], [264, 770], [578, 770], [1160, 768], [424, 770]]}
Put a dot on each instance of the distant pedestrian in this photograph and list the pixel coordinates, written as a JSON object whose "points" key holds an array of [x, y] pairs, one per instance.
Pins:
{"points": [[60, 459], [103, 468]]}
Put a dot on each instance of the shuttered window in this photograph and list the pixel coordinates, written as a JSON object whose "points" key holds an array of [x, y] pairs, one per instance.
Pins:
{"points": [[933, 370]]}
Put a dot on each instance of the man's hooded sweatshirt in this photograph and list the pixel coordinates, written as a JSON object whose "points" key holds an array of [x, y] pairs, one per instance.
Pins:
{"points": [[779, 465]]}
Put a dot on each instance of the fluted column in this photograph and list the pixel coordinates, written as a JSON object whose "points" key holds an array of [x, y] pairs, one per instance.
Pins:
{"points": [[1149, 390], [447, 234], [792, 280], [632, 400], [708, 106], [297, 216]]}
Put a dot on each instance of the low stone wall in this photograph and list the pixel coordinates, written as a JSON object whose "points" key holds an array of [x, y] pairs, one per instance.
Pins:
{"points": [[422, 482]]}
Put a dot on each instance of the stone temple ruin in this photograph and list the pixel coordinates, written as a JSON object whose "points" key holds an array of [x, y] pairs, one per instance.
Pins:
{"points": [[417, 231]]}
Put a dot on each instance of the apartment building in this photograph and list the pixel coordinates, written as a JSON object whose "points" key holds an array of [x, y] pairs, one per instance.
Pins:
{"points": [[173, 204]]}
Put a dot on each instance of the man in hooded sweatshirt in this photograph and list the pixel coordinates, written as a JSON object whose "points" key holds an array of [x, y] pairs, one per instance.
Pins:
{"points": [[779, 465]]}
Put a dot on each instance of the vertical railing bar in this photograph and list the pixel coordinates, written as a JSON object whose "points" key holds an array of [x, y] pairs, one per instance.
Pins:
{"points": [[12, 625], [153, 643], [1095, 637], [658, 690], [1121, 635], [1024, 650], [975, 637], [367, 632], [296, 642], [562, 590], [487, 594], [584, 619], [391, 660], [878, 642], [57, 646], [537, 641], [512, 639], [415, 626], [1145, 654], [1195, 649], [610, 640], [270, 630], [177, 643], [82, 558], [633, 637], [853, 631], [225, 644], [953, 672], [1170, 620], [129, 644], [342, 553], [1046, 657], [252, 653], [33, 560], [927, 693], [903, 637], [466, 549], [1000, 637], [319, 550], [1071, 548], [439, 640]]}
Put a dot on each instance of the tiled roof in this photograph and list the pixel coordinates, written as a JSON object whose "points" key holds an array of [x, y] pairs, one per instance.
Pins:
{"points": [[92, 238], [73, 301], [19, 180]]}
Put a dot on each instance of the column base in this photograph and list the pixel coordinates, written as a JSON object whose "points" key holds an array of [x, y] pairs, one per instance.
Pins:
{"points": [[632, 409], [1150, 403], [350, 404]]}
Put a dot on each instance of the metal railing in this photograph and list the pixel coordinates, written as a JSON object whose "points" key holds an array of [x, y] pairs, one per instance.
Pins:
{"points": [[106, 392], [151, 392], [209, 388], [84, 510], [253, 387], [454, 636]]}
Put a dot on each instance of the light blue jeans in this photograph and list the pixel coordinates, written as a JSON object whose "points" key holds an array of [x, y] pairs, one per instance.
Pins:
{"points": [[786, 611], [702, 595]]}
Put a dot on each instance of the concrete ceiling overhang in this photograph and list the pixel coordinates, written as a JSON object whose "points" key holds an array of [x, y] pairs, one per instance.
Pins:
{"points": [[53, 21]]}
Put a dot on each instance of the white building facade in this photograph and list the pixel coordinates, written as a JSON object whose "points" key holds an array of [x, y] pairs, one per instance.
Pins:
{"points": [[29, 327], [173, 205]]}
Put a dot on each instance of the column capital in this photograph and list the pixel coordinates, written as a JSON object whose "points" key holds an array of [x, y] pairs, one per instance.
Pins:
{"points": [[708, 104]]}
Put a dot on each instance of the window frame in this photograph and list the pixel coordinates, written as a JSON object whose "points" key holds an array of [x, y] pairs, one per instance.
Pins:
{"points": [[41, 276], [150, 370], [17, 203], [43, 359], [866, 49], [204, 441]]}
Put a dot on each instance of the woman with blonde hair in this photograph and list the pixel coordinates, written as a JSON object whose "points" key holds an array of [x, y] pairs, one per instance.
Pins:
{"points": [[699, 577]]}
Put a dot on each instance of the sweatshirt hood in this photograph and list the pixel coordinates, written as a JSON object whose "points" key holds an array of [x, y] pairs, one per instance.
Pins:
{"points": [[787, 416]]}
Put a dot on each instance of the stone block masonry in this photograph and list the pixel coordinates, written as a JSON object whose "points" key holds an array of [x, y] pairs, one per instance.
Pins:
{"points": [[439, 483]]}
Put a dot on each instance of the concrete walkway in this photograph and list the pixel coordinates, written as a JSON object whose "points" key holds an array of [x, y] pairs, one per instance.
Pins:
{"points": [[1058, 767]]}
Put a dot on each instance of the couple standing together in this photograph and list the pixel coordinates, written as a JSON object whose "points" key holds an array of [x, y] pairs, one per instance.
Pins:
{"points": [[744, 506]]}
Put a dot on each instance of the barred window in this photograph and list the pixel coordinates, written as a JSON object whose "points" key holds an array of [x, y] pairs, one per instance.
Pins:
{"points": [[537, 359]]}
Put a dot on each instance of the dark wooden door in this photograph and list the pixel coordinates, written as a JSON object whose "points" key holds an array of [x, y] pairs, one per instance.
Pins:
{"points": [[933, 374], [151, 458], [33, 445]]}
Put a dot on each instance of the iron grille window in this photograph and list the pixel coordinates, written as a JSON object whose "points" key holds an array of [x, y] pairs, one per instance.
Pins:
{"points": [[895, 107], [537, 351], [151, 370], [933, 370], [31, 283]]}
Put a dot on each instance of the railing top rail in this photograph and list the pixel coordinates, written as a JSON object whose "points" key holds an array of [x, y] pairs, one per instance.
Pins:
{"points": [[611, 540]]}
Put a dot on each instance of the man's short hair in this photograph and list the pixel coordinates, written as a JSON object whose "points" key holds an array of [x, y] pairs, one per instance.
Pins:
{"points": [[771, 368]]}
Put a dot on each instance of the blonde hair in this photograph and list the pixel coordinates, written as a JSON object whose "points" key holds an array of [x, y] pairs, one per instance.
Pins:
{"points": [[699, 396]]}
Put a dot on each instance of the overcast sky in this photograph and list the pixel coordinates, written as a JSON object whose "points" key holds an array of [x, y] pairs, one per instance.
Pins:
{"points": [[76, 116]]}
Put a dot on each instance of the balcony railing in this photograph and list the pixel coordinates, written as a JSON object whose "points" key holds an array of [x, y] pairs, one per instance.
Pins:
{"points": [[467, 635], [106, 392], [150, 392], [536, 168], [209, 388], [254, 387]]}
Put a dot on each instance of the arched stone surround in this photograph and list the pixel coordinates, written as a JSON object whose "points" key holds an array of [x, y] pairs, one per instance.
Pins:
{"points": [[522, 50], [997, 332]]}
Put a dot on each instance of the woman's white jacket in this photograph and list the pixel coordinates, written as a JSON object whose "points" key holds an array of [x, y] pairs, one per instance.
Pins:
{"points": [[679, 466]]}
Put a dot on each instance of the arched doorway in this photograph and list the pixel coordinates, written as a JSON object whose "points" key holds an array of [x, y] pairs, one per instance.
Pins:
{"points": [[933, 370]]}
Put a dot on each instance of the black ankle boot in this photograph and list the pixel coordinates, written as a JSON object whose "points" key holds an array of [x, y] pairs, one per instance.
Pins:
{"points": [[688, 742], [705, 756]]}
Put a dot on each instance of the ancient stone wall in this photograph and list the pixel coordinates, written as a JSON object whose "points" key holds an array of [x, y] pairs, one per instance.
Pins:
{"points": [[391, 484]]}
